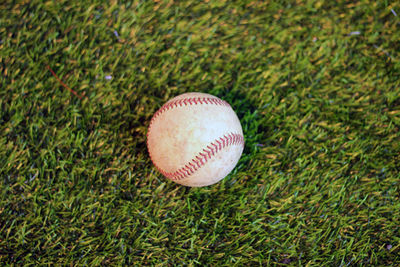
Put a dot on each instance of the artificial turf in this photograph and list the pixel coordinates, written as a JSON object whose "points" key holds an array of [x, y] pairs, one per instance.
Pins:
{"points": [[314, 83]]}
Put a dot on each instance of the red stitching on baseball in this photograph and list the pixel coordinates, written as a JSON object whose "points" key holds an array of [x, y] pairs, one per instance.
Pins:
{"points": [[197, 163], [208, 152], [201, 159], [191, 101], [211, 150], [223, 141], [215, 147], [204, 156], [219, 144], [179, 173], [193, 166], [188, 168]]}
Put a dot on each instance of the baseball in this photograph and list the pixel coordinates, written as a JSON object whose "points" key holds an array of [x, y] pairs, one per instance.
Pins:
{"points": [[195, 139]]}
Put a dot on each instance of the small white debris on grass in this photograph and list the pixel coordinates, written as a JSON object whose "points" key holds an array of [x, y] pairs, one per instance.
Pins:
{"points": [[355, 33]]}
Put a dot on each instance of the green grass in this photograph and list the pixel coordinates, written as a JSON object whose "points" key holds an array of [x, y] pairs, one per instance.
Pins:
{"points": [[316, 86]]}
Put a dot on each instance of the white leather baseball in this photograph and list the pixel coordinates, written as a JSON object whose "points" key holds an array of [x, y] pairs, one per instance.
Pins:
{"points": [[195, 139]]}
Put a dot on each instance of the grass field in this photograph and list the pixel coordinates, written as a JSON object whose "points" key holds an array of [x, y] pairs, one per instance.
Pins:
{"points": [[315, 84]]}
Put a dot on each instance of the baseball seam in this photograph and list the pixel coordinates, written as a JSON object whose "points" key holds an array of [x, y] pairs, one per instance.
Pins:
{"points": [[189, 101], [204, 156], [206, 153]]}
